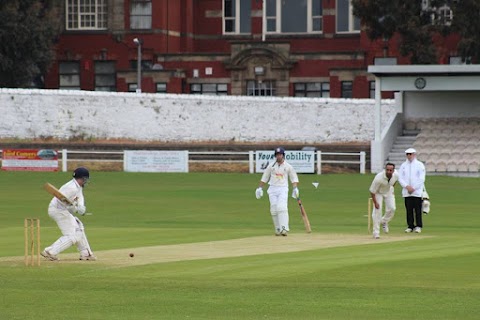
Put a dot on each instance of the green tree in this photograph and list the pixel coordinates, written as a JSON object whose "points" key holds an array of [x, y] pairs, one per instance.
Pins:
{"points": [[416, 25], [466, 23], [28, 31], [416, 31], [383, 19]]}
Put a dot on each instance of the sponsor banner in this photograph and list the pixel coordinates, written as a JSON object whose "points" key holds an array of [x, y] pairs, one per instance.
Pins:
{"points": [[301, 161], [155, 161], [29, 160]]}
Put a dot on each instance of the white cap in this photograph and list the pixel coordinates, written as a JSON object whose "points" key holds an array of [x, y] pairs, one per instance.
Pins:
{"points": [[410, 150]]}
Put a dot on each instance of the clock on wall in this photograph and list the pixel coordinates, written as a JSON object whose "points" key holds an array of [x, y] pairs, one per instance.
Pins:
{"points": [[420, 83]]}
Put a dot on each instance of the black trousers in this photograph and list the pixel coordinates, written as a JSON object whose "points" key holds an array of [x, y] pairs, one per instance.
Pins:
{"points": [[414, 212]]}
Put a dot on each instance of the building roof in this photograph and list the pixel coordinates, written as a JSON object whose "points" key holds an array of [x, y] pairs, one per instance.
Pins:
{"points": [[425, 70]]}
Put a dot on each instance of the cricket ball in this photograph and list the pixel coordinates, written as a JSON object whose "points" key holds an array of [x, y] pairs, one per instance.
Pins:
{"points": [[131, 255]]}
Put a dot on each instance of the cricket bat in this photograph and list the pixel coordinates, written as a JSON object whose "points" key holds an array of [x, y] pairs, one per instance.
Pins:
{"points": [[306, 222], [56, 193]]}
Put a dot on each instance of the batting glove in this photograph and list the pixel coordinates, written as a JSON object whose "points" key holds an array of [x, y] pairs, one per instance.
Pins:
{"points": [[259, 193], [295, 193], [72, 209]]}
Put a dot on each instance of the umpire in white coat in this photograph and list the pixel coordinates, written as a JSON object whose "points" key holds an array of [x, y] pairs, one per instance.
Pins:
{"points": [[277, 175], [71, 227], [381, 190], [412, 180]]}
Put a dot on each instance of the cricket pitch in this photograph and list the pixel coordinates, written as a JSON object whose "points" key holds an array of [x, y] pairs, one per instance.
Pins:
{"points": [[220, 249]]}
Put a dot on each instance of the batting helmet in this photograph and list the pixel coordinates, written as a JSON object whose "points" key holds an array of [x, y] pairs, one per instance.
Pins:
{"points": [[81, 172], [280, 150]]}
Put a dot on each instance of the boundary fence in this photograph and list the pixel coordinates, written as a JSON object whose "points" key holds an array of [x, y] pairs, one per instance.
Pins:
{"points": [[321, 158]]}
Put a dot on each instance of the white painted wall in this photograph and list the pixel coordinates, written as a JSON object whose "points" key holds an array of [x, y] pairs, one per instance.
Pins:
{"points": [[444, 104], [27, 114]]}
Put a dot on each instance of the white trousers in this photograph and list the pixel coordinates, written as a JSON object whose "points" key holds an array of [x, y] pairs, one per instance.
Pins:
{"points": [[279, 207], [73, 232], [390, 208]]}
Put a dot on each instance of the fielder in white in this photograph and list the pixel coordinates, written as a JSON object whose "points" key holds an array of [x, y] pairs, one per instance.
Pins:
{"points": [[71, 227], [381, 190], [277, 175]]}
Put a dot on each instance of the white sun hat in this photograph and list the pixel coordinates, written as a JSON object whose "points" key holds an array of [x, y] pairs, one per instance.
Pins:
{"points": [[410, 150]]}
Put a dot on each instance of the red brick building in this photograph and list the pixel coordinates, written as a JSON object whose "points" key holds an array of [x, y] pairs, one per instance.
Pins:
{"points": [[304, 48]]}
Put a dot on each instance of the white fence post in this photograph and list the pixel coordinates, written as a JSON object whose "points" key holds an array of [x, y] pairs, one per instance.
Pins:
{"points": [[251, 162], [319, 162], [362, 162], [64, 160]]}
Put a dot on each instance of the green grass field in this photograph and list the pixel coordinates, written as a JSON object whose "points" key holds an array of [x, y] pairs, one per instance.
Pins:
{"points": [[433, 276]]}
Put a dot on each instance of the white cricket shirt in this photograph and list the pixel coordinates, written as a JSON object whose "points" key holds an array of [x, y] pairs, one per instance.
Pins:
{"points": [[73, 191], [381, 184], [278, 174]]}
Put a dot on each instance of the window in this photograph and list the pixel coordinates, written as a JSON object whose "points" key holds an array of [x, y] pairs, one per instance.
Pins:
{"points": [[444, 16], [237, 16], [312, 89], [294, 16], [161, 87], [440, 16], [105, 76], [372, 89], [141, 14], [146, 64], [260, 88], [219, 89], [37, 82], [69, 75], [86, 14], [347, 89], [459, 60], [346, 21], [384, 61], [132, 87], [271, 15], [317, 16]]}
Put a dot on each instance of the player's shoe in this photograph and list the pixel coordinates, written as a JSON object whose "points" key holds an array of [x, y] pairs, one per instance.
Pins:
{"points": [[49, 256], [385, 227], [408, 230], [88, 258], [417, 230]]}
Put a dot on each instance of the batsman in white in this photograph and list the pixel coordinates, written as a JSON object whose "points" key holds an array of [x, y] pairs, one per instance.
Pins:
{"points": [[63, 214], [277, 175], [382, 190]]}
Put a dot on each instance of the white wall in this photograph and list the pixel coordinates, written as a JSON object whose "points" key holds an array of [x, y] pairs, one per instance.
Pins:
{"points": [[441, 104], [27, 114]]}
